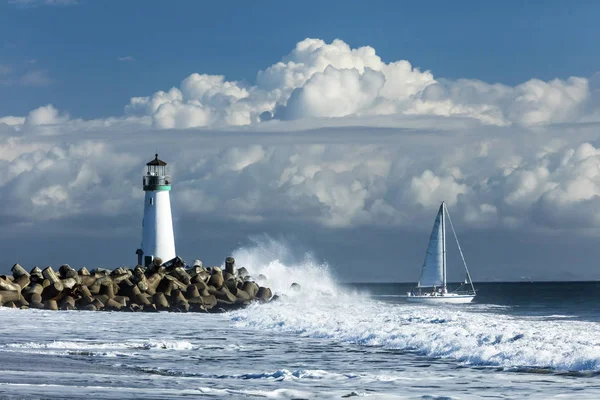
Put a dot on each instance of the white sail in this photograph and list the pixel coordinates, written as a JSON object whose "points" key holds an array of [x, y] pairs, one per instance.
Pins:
{"points": [[432, 272]]}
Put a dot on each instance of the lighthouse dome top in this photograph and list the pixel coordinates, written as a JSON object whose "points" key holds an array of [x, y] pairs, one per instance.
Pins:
{"points": [[156, 162]]}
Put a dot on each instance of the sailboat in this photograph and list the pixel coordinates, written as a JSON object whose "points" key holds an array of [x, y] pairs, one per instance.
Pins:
{"points": [[432, 287]]}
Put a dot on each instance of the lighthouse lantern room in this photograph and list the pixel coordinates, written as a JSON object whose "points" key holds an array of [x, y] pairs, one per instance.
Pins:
{"points": [[158, 240]]}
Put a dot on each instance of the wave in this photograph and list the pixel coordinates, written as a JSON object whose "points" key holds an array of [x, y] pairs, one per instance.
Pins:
{"points": [[84, 346], [321, 309]]}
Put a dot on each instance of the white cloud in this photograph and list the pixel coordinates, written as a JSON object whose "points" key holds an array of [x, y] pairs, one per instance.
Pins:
{"points": [[350, 141], [321, 80], [46, 115], [126, 59]]}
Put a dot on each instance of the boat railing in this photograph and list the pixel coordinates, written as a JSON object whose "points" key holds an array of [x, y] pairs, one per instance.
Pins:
{"points": [[465, 292]]}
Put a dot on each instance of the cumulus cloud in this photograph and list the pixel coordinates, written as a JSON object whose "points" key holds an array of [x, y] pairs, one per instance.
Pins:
{"points": [[401, 142], [332, 80], [46, 115]]}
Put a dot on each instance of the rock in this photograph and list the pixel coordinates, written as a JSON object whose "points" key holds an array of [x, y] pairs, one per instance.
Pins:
{"points": [[242, 272], [182, 306], [36, 304], [123, 300], [7, 296], [166, 286], [182, 276], [119, 278], [197, 263], [118, 272], [87, 280], [100, 272], [67, 300], [48, 273], [135, 308], [264, 293], [35, 275], [52, 291], [202, 276], [143, 286], [209, 301], [224, 294], [83, 271], [228, 277], [230, 265], [33, 288], [18, 271], [7, 285], [98, 304], [274, 298], [161, 301], [177, 297], [35, 298], [69, 283], [22, 301], [150, 308], [176, 283], [66, 271], [154, 281], [261, 278], [95, 288], [191, 292], [125, 286], [242, 295], [231, 285], [251, 288], [130, 292], [107, 289], [84, 291], [295, 286], [102, 298], [89, 307], [84, 301], [216, 279], [112, 305], [51, 305], [140, 299], [23, 281]]}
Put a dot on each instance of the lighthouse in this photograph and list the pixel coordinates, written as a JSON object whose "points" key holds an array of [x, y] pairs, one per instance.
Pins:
{"points": [[157, 226]]}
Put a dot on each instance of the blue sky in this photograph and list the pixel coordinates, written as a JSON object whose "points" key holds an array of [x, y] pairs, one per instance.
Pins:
{"points": [[77, 46], [320, 135]]}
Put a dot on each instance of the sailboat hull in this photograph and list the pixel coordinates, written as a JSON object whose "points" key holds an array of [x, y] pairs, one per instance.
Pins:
{"points": [[446, 299]]}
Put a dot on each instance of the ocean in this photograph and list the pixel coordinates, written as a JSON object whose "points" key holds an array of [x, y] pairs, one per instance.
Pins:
{"points": [[325, 341]]}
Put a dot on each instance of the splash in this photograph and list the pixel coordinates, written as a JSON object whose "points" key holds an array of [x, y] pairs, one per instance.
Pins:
{"points": [[281, 267]]}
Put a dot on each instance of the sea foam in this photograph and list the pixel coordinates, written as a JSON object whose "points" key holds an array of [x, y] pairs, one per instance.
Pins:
{"points": [[462, 334]]}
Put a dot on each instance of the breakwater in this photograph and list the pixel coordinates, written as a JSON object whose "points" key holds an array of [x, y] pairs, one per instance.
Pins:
{"points": [[171, 286]]}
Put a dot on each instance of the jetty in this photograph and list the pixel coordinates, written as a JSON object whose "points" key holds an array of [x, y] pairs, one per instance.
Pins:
{"points": [[169, 286]]}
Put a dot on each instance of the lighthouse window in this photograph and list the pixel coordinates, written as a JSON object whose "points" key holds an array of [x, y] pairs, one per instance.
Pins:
{"points": [[151, 201]]}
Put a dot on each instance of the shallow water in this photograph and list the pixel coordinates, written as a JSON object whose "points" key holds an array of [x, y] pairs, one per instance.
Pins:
{"points": [[327, 342]]}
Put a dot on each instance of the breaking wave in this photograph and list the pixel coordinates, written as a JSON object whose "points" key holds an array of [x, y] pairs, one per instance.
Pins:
{"points": [[321, 309]]}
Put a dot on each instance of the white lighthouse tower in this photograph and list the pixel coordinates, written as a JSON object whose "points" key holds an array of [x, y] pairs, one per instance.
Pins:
{"points": [[157, 226]]}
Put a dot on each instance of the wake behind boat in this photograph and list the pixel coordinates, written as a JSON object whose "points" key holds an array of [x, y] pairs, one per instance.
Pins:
{"points": [[432, 287]]}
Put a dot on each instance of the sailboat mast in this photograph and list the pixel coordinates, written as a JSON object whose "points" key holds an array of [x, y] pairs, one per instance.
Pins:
{"points": [[444, 243], [461, 253]]}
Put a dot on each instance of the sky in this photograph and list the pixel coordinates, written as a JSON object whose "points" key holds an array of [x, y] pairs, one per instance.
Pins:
{"points": [[330, 128]]}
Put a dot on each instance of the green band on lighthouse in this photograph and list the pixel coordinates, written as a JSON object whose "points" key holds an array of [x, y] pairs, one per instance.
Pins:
{"points": [[155, 188]]}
